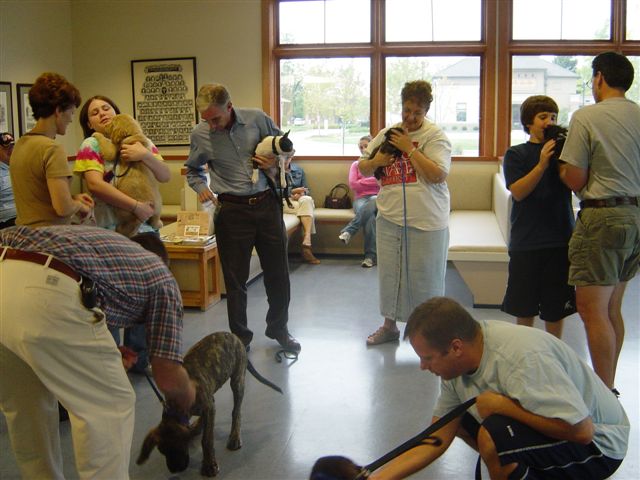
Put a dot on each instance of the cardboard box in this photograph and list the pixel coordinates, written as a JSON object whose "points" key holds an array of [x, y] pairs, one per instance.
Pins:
{"points": [[194, 223]]}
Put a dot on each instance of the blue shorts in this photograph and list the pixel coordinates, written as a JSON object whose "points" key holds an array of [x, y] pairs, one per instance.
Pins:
{"points": [[541, 457]]}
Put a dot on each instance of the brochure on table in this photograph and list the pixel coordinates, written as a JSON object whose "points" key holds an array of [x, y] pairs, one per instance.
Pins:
{"points": [[193, 228]]}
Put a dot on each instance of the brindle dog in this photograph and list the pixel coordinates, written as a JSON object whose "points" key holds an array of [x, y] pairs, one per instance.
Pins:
{"points": [[209, 363]]}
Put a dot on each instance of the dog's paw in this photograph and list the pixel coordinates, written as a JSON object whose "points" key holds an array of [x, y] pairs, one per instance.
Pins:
{"points": [[210, 470], [234, 443]]}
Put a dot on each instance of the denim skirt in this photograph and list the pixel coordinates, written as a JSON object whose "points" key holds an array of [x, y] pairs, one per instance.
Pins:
{"points": [[411, 267]]}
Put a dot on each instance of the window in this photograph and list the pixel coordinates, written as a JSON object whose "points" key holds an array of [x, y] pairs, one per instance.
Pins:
{"points": [[452, 79], [325, 21], [633, 20], [461, 112], [561, 20], [440, 20], [325, 104], [334, 68]]}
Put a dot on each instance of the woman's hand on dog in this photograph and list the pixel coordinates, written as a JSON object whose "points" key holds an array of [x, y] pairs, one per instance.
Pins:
{"points": [[133, 152], [401, 141], [143, 210]]}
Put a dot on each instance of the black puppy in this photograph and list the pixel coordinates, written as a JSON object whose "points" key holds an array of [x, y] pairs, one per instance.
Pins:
{"points": [[210, 363], [559, 134], [336, 467], [386, 147]]}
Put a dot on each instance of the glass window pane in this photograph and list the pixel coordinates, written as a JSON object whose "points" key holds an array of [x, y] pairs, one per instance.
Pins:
{"points": [[456, 95], [561, 20], [634, 91], [325, 21], [325, 102], [563, 78], [440, 20], [633, 20]]}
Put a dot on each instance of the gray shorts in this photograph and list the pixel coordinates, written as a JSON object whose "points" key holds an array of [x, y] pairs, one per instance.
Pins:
{"points": [[605, 246]]}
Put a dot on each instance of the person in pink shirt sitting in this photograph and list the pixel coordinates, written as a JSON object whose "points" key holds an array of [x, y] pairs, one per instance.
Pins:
{"points": [[365, 190]]}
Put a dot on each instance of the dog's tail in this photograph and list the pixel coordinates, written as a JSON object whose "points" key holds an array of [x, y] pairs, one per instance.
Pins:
{"points": [[260, 378]]}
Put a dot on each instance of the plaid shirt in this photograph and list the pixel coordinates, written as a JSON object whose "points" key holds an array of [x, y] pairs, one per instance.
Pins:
{"points": [[134, 285]]}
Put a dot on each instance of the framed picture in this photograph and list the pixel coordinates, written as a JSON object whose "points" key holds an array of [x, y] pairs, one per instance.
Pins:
{"points": [[25, 115], [6, 109], [164, 98]]}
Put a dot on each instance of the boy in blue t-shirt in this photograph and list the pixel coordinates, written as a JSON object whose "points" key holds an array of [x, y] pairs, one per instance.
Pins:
{"points": [[542, 222]]}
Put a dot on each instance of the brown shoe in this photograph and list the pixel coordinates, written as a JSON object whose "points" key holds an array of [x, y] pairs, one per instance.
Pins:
{"points": [[307, 255]]}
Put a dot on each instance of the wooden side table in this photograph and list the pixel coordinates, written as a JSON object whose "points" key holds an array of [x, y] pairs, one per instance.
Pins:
{"points": [[196, 270]]}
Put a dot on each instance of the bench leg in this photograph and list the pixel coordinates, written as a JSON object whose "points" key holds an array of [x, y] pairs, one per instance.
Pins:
{"points": [[486, 280]]}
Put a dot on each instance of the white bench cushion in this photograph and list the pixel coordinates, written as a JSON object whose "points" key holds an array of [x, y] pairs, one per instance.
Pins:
{"points": [[333, 214], [475, 231]]}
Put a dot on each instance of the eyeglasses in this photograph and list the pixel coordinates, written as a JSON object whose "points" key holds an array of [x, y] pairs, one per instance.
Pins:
{"points": [[589, 83], [6, 139]]}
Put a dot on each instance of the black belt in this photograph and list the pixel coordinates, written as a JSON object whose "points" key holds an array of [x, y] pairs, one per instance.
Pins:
{"points": [[245, 199], [40, 259], [609, 202]]}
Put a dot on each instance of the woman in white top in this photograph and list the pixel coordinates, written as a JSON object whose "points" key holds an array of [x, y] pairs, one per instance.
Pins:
{"points": [[412, 232]]}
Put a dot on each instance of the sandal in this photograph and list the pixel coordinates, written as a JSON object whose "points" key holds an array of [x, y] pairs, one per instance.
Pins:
{"points": [[383, 335]]}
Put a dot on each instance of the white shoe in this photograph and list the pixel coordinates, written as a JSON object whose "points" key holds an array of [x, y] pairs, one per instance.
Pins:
{"points": [[368, 263], [345, 237]]}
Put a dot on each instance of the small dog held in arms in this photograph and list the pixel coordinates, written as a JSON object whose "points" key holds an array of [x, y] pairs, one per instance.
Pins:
{"points": [[279, 146], [559, 134], [132, 178], [386, 147], [210, 363]]}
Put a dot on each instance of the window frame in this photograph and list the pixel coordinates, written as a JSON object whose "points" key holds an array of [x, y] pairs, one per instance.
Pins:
{"points": [[495, 50]]}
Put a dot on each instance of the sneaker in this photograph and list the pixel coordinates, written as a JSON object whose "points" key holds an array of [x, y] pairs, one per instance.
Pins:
{"points": [[368, 263], [383, 335], [345, 237]]}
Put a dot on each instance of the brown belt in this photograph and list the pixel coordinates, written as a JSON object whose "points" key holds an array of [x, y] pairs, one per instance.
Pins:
{"points": [[40, 259], [609, 202], [246, 199]]}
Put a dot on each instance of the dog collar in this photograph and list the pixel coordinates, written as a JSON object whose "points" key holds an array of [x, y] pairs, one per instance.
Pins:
{"points": [[181, 418], [273, 145]]}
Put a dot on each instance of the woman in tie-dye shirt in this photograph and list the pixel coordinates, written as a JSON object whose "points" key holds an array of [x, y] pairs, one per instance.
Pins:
{"points": [[98, 175]]}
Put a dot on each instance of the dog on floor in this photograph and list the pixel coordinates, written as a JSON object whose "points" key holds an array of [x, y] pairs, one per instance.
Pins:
{"points": [[137, 181], [212, 361]]}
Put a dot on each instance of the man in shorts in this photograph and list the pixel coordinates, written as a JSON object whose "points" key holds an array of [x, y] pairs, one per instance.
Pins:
{"points": [[541, 412], [541, 224], [602, 165]]}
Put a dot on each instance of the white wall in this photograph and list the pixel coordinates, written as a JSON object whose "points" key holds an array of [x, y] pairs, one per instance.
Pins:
{"points": [[35, 37], [93, 42]]}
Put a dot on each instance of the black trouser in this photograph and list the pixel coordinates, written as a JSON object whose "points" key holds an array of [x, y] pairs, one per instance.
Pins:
{"points": [[240, 228]]}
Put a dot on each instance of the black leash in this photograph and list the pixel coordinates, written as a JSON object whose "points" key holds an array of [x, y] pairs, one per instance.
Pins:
{"points": [[155, 389], [423, 438], [288, 354]]}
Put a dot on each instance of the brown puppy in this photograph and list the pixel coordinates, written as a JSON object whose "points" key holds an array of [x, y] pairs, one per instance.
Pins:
{"points": [[133, 178], [210, 363]]}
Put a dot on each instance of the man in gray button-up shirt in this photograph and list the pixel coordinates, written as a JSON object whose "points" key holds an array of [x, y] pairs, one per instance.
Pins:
{"points": [[250, 214]]}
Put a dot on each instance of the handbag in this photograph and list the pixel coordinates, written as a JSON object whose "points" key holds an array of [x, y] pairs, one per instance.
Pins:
{"points": [[338, 197]]}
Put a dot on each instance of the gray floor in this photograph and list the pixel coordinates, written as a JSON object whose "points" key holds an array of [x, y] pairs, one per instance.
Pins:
{"points": [[340, 396]]}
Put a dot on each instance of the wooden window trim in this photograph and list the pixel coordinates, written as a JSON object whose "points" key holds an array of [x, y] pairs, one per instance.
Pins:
{"points": [[495, 50]]}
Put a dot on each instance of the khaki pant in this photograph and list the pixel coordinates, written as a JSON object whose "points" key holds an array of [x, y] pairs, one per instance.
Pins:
{"points": [[54, 349]]}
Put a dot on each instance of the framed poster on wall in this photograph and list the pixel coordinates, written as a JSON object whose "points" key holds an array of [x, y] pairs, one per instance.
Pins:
{"points": [[6, 110], [164, 98], [25, 115]]}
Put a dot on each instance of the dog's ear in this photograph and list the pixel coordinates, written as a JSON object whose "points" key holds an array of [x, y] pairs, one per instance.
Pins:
{"points": [[149, 443]]}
